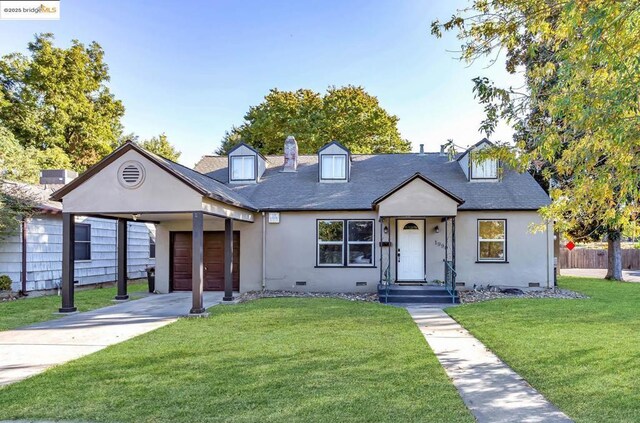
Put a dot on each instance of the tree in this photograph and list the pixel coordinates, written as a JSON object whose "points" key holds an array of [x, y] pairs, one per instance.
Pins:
{"points": [[347, 114], [579, 113], [57, 98], [161, 146]]}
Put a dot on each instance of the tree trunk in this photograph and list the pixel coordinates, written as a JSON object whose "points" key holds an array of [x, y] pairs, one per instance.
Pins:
{"points": [[614, 258]]}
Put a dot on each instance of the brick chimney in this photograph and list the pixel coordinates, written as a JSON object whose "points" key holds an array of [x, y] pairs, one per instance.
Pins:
{"points": [[290, 155], [57, 176]]}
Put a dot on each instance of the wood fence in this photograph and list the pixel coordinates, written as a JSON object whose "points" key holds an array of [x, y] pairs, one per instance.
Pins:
{"points": [[583, 258]]}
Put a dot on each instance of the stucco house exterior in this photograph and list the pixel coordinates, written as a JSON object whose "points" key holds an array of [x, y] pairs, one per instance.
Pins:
{"points": [[32, 257], [333, 221]]}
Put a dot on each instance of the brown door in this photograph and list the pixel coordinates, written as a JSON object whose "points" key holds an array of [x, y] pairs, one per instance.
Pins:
{"points": [[213, 261]]}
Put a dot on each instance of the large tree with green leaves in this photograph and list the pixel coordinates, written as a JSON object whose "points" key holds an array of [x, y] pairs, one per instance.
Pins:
{"points": [[57, 99], [347, 114], [578, 117]]}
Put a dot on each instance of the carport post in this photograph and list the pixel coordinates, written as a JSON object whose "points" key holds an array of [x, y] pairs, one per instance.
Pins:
{"points": [[68, 269], [228, 260], [122, 260], [197, 270]]}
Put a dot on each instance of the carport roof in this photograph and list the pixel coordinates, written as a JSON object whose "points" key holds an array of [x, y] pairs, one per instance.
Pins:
{"points": [[203, 184]]}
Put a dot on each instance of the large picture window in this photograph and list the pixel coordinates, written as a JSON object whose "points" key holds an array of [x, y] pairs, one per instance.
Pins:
{"points": [[360, 242], [334, 166], [492, 240], [243, 168], [484, 169], [82, 245], [345, 243]]}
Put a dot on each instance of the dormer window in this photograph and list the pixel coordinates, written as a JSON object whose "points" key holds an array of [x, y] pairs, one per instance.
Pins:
{"points": [[243, 168], [334, 166], [485, 169], [333, 163]]}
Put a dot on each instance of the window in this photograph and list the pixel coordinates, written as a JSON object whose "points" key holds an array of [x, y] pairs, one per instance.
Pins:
{"points": [[82, 245], [334, 166], [330, 242], [492, 235], [360, 242], [355, 246], [485, 169], [243, 168], [152, 247]]}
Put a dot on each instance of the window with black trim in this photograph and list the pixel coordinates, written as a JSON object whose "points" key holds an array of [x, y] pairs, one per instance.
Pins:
{"points": [[492, 240], [152, 248], [334, 166], [360, 242], [82, 245], [345, 243], [243, 168]]}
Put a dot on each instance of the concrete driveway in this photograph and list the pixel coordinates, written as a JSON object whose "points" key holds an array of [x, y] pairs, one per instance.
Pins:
{"points": [[628, 275], [30, 350]]}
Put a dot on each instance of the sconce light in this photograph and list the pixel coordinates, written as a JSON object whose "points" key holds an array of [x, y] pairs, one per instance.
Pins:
{"points": [[386, 229], [437, 229]]}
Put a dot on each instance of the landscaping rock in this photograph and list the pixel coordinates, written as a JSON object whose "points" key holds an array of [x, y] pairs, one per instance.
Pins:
{"points": [[359, 296], [493, 293]]}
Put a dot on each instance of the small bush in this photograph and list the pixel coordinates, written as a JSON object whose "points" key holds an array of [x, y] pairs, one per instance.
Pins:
{"points": [[5, 283]]}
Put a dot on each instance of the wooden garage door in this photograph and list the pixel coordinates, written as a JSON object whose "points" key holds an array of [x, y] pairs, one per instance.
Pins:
{"points": [[213, 261]]}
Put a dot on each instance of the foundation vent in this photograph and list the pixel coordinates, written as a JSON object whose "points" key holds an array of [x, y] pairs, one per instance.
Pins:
{"points": [[301, 283], [534, 285], [361, 284]]}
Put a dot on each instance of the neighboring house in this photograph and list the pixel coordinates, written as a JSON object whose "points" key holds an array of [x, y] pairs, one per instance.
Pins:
{"points": [[334, 221], [39, 265]]}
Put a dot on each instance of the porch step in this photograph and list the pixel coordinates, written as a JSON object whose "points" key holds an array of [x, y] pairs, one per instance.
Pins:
{"points": [[398, 294]]}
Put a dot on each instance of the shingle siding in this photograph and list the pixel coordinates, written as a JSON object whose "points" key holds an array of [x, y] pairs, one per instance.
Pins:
{"points": [[44, 253]]}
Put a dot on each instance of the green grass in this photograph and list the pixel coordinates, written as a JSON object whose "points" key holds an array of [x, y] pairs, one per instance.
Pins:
{"points": [[583, 355], [25, 311], [270, 360]]}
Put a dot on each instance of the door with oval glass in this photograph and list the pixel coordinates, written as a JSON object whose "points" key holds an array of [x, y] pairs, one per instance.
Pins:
{"points": [[410, 253]]}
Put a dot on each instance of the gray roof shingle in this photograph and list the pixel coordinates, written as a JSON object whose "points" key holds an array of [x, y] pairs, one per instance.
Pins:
{"points": [[371, 177]]}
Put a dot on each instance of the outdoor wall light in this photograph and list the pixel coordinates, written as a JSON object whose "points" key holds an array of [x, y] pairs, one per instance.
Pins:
{"points": [[437, 229], [386, 229]]}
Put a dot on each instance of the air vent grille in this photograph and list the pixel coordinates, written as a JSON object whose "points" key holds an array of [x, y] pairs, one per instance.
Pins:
{"points": [[131, 174]]}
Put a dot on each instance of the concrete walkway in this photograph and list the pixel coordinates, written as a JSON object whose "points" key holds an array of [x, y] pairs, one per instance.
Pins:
{"points": [[491, 390], [30, 350], [627, 275]]}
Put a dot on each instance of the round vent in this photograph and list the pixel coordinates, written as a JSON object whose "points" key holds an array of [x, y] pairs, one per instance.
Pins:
{"points": [[131, 174]]}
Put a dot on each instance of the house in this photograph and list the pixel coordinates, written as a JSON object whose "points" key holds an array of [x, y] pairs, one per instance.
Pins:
{"points": [[333, 221], [32, 258]]}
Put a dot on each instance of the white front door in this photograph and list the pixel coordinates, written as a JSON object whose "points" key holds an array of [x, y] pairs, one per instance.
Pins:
{"points": [[410, 250]]}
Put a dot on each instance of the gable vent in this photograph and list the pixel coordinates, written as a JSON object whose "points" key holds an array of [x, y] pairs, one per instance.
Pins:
{"points": [[131, 174]]}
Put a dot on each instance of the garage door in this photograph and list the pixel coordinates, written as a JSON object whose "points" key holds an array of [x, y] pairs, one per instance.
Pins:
{"points": [[213, 261]]}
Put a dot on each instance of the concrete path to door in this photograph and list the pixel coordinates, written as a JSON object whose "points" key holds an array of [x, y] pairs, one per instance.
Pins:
{"points": [[627, 275], [32, 349], [491, 390]]}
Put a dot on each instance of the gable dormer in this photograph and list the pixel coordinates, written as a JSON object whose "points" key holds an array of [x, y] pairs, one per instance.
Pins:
{"points": [[334, 163], [246, 165], [479, 170]]}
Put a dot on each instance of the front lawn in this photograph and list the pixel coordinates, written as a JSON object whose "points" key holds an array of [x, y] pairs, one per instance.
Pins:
{"points": [[583, 355], [269, 360], [26, 311]]}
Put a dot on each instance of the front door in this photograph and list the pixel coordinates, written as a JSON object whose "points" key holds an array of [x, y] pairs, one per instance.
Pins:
{"points": [[410, 251]]}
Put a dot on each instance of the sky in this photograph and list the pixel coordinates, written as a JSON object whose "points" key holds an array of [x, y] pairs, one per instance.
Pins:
{"points": [[192, 69]]}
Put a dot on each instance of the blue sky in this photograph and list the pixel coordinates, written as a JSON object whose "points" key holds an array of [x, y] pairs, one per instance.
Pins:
{"points": [[191, 69]]}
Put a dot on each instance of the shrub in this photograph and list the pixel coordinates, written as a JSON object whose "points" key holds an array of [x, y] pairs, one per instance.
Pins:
{"points": [[5, 283]]}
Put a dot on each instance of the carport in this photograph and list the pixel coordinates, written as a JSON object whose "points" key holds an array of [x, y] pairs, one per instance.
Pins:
{"points": [[132, 184]]}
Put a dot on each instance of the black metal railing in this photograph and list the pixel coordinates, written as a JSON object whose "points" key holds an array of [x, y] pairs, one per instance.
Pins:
{"points": [[450, 279]]}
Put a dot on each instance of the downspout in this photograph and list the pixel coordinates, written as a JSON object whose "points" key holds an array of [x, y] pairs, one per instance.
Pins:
{"points": [[264, 250], [23, 273]]}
